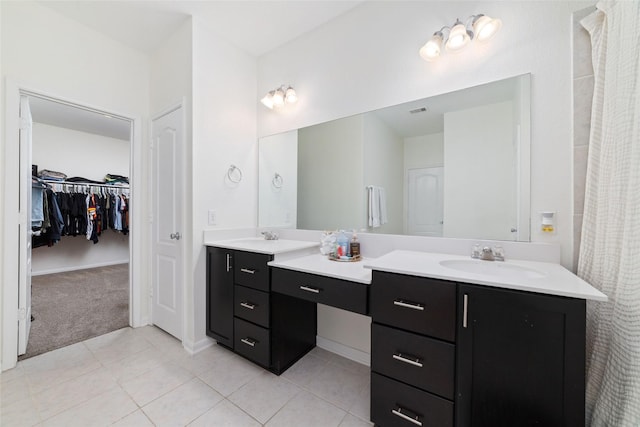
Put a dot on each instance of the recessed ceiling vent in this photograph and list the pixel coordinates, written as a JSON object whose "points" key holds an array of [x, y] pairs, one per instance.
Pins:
{"points": [[419, 110]]}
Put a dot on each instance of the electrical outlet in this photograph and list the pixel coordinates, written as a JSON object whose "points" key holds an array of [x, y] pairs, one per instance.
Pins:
{"points": [[212, 217]]}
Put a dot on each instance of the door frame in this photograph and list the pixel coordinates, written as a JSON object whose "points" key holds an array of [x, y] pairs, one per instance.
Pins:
{"points": [[8, 237], [186, 238]]}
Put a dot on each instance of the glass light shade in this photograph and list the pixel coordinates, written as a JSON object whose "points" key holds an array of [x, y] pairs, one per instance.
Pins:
{"points": [[485, 27], [431, 50], [267, 101], [458, 37], [278, 98], [290, 95]]}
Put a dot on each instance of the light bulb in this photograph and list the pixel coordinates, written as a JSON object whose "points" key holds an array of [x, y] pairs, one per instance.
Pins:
{"points": [[267, 101], [431, 50], [486, 27], [278, 98], [290, 95], [458, 37]]}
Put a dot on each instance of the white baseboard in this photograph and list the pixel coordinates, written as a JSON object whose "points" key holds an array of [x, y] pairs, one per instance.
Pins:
{"points": [[344, 351], [77, 267], [196, 347]]}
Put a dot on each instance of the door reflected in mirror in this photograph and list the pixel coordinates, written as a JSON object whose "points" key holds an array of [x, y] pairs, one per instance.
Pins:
{"points": [[453, 165]]}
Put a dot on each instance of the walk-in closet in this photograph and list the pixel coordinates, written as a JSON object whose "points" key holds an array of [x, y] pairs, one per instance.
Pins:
{"points": [[80, 210]]}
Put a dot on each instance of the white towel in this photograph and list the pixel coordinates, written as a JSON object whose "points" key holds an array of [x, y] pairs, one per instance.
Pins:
{"points": [[377, 209]]}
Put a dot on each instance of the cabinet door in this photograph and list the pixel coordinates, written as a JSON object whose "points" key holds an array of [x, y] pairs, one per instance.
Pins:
{"points": [[220, 295], [520, 359]]}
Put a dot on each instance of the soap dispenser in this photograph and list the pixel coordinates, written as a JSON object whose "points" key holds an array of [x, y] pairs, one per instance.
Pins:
{"points": [[354, 245]]}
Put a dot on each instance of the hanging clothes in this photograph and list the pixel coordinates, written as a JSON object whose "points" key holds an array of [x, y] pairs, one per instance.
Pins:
{"points": [[76, 209]]}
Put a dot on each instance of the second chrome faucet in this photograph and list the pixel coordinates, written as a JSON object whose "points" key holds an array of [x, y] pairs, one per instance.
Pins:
{"points": [[487, 253]]}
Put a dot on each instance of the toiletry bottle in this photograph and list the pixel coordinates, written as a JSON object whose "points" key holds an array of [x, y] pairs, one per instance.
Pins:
{"points": [[355, 246], [343, 244]]}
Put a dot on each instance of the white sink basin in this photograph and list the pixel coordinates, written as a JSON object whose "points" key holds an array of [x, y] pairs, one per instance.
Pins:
{"points": [[492, 268]]}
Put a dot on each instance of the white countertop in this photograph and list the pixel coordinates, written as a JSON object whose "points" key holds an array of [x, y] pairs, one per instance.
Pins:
{"points": [[260, 245], [546, 278], [321, 265]]}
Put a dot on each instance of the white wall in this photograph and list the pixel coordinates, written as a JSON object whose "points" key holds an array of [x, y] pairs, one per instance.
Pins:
{"points": [[89, 156], [224, 133], [48, 52], [278, 154], [376, 45], [335, 178], [479, 172], [78, 154], [382, 163]]}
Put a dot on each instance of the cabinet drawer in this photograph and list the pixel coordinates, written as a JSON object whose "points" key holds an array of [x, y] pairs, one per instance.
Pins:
{"points": [[251, 305], [252, 342], [417, 304], [250, 269], [396, 404], [343, 294], [414, 359]]}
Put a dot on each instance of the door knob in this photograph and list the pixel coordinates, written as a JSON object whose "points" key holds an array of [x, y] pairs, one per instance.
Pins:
{"points": [[175, 235]]}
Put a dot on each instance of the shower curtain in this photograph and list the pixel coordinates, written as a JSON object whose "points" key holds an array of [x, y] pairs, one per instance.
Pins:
{"points": [[610, 247]]}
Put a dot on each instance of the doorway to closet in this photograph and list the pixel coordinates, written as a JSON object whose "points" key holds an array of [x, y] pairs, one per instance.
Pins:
{"points": [[79, 221]]}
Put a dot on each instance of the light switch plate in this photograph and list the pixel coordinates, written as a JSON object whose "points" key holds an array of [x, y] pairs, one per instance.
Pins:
{"points": [[212, 217]]}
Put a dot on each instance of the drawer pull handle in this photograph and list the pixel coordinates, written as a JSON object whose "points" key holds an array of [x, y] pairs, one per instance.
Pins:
{"points": [[465, 310], [308, 289], [228, 262], [398, 413], [249, 342], [405, 304], [246, 270], [411, 361], [248, 305]]}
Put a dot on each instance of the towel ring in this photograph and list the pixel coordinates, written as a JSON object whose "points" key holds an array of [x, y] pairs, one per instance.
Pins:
{"points": [[277, 180], [234, 174]]}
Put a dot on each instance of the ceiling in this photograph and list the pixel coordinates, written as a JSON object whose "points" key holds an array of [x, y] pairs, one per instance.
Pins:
{"points": [[255, 26], [431, 120]]}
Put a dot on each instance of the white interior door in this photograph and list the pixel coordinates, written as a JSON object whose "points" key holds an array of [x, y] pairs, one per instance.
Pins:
{"points": [[425, 201], [24, 227], [167, 263]]}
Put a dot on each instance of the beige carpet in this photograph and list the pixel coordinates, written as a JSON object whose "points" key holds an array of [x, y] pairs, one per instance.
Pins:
{"points": [[74, 306]]}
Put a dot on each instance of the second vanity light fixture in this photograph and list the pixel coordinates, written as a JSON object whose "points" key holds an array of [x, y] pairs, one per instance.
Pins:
{"points": [[455, 38], [278, 97]]}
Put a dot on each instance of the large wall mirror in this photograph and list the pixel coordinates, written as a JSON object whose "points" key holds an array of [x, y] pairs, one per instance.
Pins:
{"points": [[453, 165]]}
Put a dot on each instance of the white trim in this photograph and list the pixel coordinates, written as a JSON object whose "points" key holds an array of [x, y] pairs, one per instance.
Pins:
{"points": [[80, 267], [194, 348], [344, 351], [9, 278]]}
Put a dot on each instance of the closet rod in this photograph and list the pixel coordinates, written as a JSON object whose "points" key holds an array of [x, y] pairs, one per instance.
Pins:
{"points": [[88, 184]]}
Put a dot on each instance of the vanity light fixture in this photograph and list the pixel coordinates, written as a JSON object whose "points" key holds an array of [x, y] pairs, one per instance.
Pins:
{"points": [[279, 97], [457, 37]]}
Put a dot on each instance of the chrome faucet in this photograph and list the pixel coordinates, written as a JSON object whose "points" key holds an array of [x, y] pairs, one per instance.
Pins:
{"points": [[270, 235], [487, 253]]}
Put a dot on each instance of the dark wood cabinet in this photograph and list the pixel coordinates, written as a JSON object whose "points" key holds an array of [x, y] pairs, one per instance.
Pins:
{"points": [[270, 329], [447, 353], [412, 350], [520, 359], [344, 294], [220, 295]]}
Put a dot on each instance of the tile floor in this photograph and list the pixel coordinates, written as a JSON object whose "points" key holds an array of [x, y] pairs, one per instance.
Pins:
{"points": [[143, 377]]}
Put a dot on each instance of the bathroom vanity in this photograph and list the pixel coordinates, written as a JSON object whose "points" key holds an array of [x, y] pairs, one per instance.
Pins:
{"points": [[454, 341]]}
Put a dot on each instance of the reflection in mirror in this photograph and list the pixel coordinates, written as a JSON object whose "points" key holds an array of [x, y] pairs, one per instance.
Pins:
{"points": [[453, 165]]}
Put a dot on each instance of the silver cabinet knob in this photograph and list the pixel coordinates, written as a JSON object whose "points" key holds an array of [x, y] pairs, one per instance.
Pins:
{"points": [[175, 235]]}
